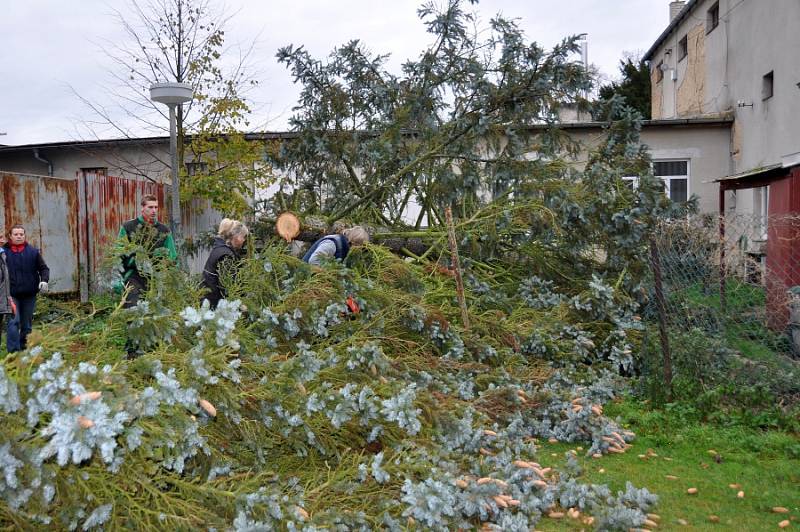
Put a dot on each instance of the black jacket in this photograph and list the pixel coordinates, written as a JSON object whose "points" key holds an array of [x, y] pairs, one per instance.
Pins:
{"points": [[156, 238], [5, 282], [26, 270], [220, 253]]}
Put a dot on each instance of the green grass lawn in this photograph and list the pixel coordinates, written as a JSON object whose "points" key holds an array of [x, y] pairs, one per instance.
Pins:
{"points": [[739, 297], [742, 323], [765, 464]]}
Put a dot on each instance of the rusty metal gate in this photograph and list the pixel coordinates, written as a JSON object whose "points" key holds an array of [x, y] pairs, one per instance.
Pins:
{"points": [[48, 209], [107, 202], [74, 221]]}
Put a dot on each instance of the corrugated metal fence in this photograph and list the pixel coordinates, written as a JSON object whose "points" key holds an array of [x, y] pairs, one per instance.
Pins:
{"points": [[48, 208], [74, 221], [107, 202], [197, 218]]}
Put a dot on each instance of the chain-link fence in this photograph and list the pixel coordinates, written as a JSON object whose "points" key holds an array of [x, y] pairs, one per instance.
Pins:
{"points": [[734, 281]]}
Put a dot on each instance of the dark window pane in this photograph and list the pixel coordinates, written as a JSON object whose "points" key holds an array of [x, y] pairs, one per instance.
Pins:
{"points": [[195, 168], [665, 168], [99, 170], [712, 17], [767, 86], [678, 189]]}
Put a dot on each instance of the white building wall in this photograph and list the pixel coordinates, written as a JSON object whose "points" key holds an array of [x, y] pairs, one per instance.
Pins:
{"points": [[132, 161], [705, 148], [724, 72], [765, 38]]}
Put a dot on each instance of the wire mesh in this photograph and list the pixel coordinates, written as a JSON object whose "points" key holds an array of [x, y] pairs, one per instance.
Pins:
{"points": [[736, 278]]}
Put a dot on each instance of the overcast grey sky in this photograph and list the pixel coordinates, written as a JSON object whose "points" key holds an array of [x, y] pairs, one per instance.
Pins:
{"points": [[46, 46]]}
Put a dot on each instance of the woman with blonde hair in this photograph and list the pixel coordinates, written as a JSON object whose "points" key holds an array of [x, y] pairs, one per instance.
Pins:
{"points": [[225, 250], [336, 246]]}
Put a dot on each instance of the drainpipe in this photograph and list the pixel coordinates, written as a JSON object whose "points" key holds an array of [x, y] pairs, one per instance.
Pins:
{"points": [[39, 157]]}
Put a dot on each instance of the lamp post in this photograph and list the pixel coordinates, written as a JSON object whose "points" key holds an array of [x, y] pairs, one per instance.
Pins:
{"points": [[172, 95]]}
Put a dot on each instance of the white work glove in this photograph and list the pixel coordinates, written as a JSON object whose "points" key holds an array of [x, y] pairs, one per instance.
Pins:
{"points": [[43, 286]]}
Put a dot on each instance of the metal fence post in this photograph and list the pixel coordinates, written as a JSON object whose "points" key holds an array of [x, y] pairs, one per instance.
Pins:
{"points": [[722, 272], [451, 236], [655, 263]]}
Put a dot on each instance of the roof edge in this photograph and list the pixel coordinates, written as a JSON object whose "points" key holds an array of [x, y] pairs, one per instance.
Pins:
{"points": [[275, 135], [690, 5], [722, 120], [760, 176], [264, 135]]}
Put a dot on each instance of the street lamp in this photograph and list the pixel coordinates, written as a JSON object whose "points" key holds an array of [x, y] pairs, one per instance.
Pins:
{"points": [[173, 94]]}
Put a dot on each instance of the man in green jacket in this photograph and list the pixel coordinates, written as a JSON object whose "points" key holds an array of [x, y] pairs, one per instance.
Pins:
{"points": [[154, 237]]}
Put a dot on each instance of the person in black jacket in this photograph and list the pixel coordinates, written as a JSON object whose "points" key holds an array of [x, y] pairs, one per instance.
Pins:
{"points": [[6, 303], [224, 253], [28, 274]]}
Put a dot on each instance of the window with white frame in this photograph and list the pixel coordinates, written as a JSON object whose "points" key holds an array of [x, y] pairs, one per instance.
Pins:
{"points": [[631, 181], [675, 175]]}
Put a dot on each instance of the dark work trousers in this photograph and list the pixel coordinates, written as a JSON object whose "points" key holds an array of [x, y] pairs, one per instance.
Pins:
{"points": [[21, 325], [135, 286]]}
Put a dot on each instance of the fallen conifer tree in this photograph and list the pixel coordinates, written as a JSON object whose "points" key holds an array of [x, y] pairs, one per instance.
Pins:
{"points": [[282, 410]]}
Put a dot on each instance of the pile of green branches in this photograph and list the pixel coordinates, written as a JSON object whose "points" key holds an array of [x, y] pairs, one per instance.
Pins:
{"points": [[283, 409]]}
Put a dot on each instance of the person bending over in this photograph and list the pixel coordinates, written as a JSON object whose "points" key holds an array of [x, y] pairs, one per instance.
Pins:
{"points": [[336, 246]]}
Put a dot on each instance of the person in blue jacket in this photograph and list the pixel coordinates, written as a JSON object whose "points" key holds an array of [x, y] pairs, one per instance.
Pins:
{"points": [[337, 247], [29, 275]]}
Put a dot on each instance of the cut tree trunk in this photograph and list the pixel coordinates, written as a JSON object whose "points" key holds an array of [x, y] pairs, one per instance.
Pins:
{"points": [[312, 228]]}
